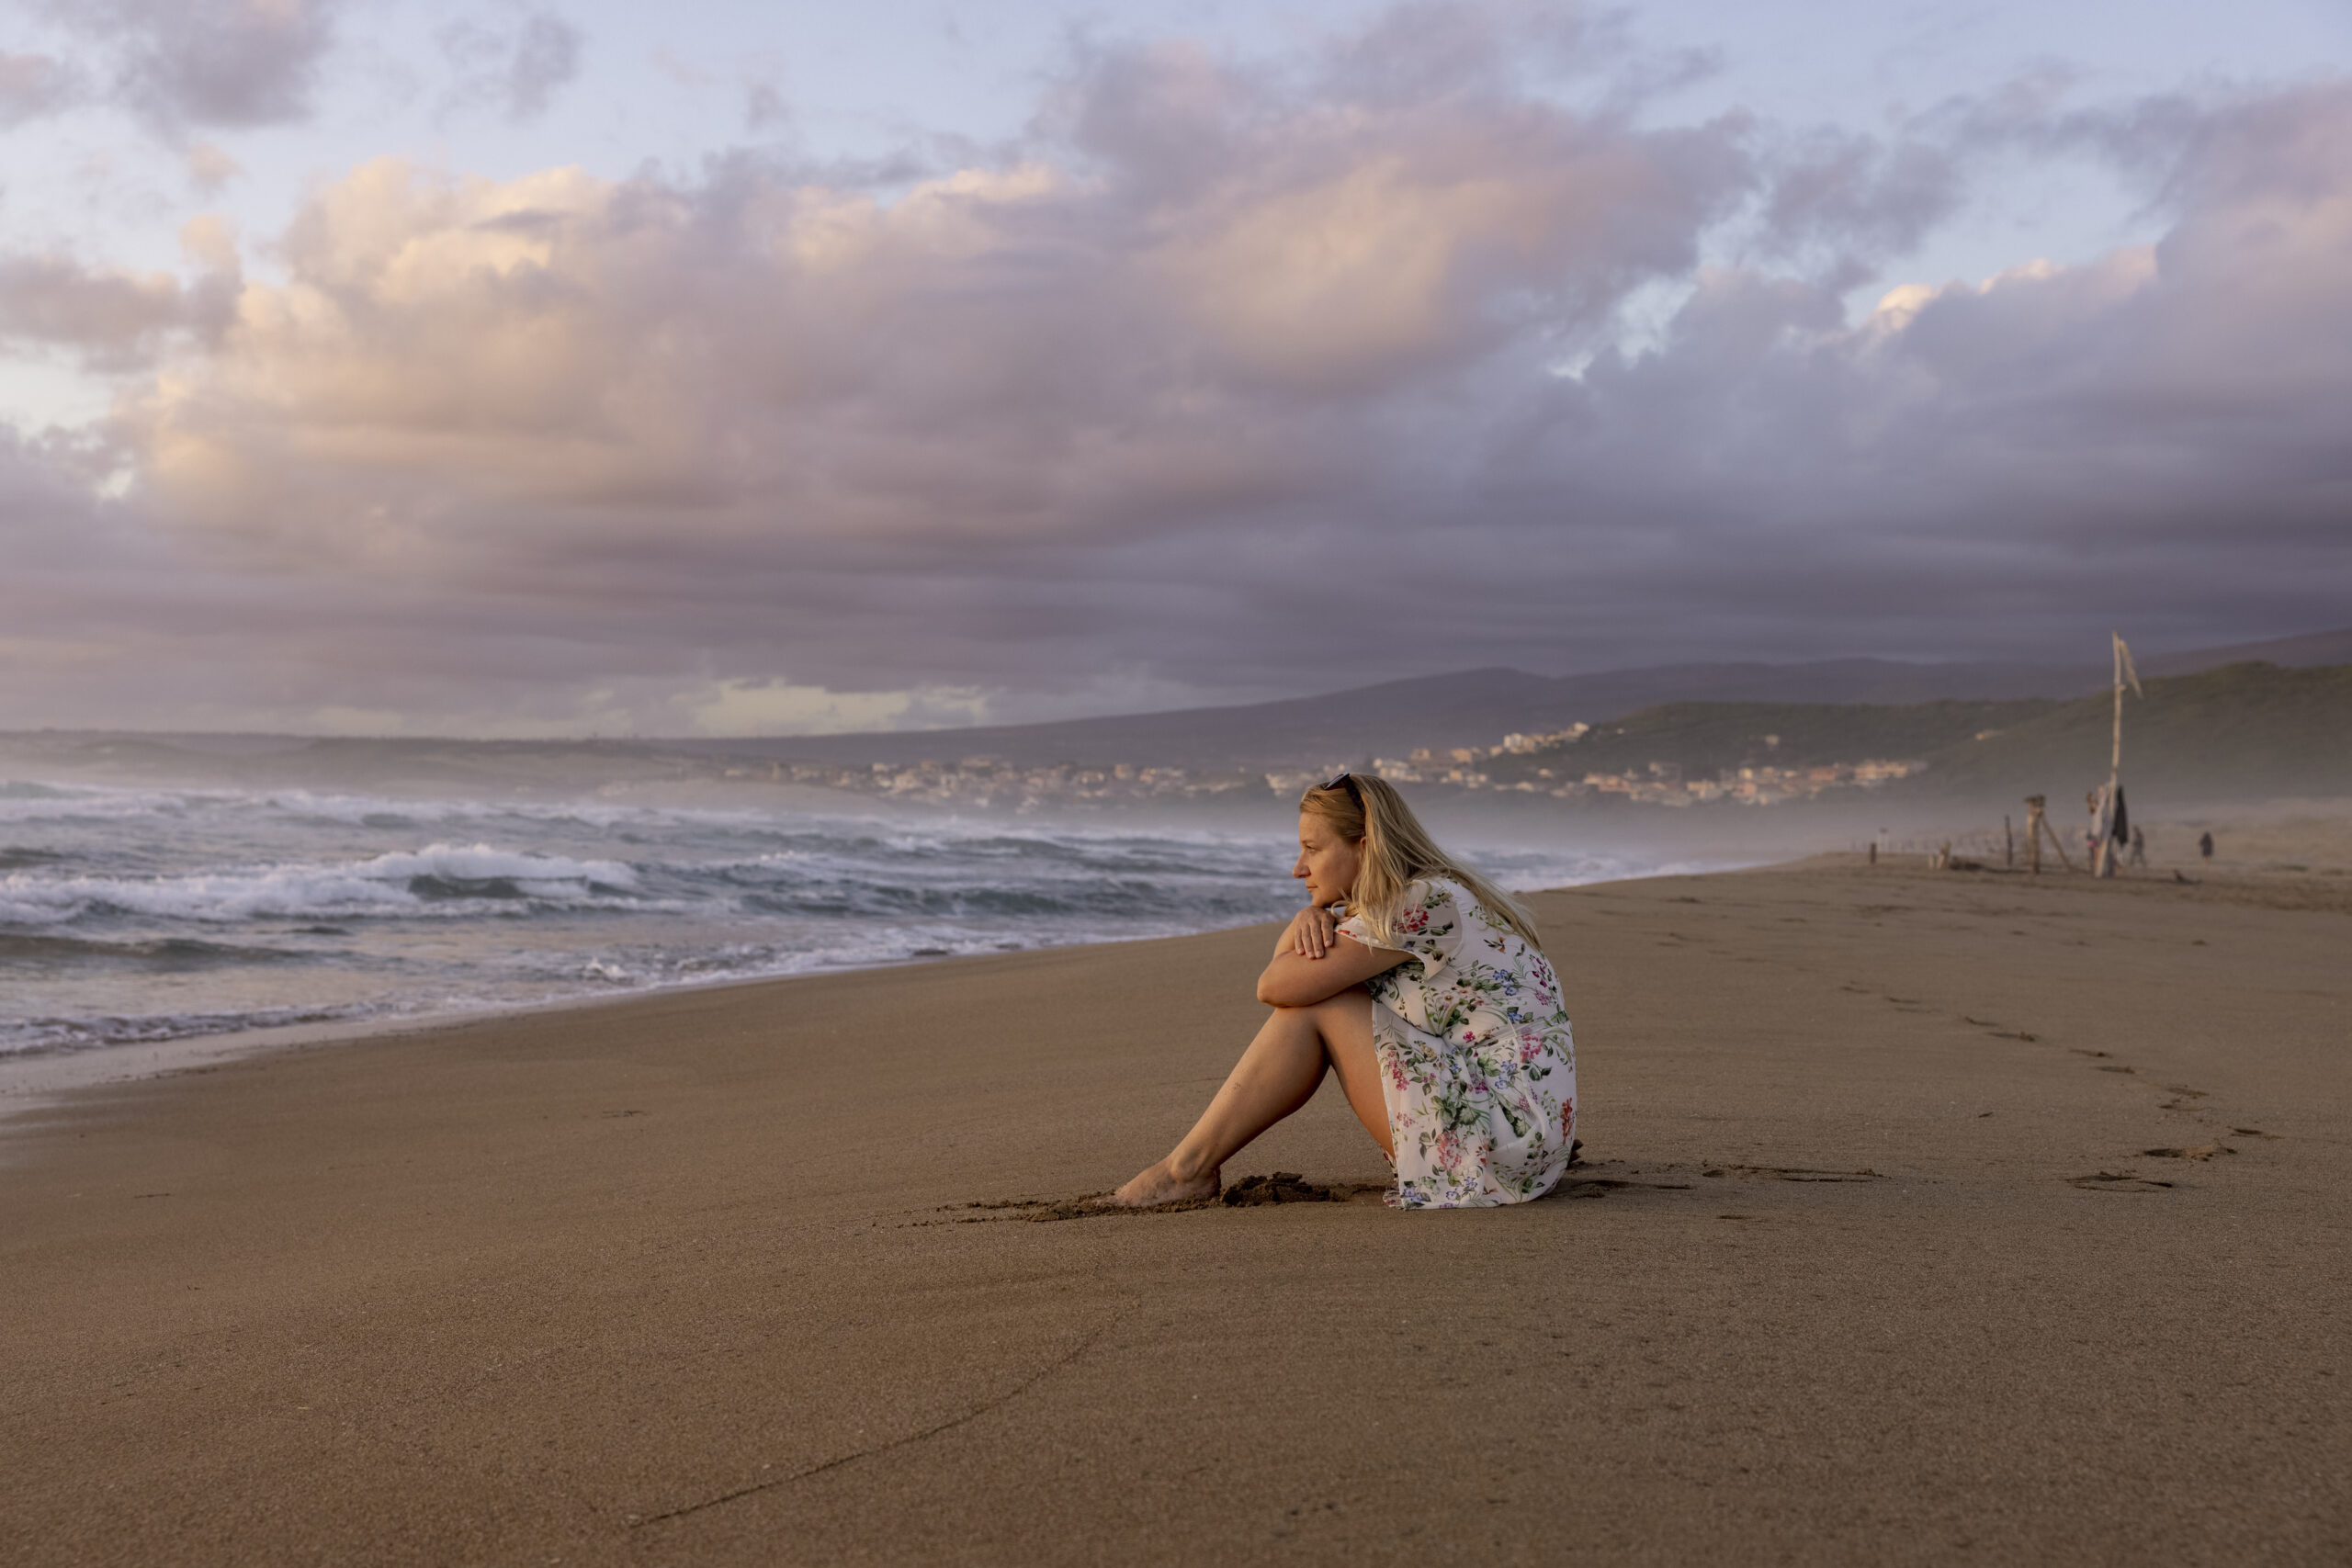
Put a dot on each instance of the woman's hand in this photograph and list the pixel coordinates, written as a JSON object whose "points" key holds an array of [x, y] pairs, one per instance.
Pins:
{"points": [[1312, 931]]}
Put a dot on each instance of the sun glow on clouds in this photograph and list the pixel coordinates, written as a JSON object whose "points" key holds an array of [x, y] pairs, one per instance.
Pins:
{"points": [[758, 707], [767, 447], [2108, 282]]}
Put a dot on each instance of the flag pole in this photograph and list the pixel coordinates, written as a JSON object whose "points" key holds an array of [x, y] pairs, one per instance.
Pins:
{"points": [[2103, 857]]}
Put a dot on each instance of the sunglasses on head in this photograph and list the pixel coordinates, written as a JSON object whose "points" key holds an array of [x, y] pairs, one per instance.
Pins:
{"points": [[1343, 780]]}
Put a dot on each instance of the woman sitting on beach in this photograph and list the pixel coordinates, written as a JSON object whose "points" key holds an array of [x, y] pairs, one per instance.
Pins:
{"points": [[1430, 999]]}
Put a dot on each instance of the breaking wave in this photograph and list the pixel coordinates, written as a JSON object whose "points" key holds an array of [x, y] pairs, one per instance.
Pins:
{"points": [[151, 914]]}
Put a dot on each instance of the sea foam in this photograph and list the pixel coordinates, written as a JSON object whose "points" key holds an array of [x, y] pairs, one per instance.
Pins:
{"points": [[146, 914]]}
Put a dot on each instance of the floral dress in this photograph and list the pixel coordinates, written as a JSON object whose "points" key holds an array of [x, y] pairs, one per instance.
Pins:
{"points": [[1476, 1061]]}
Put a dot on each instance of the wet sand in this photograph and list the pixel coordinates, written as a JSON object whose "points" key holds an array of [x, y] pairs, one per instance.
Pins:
{"points": [[1926, 1218]]}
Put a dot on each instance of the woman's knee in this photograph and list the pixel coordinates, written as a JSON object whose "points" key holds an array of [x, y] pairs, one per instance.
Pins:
{"points": [[1350, 1010]]}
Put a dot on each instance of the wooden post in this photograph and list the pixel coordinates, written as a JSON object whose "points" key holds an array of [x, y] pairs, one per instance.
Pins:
{"points": [[2008, 845], [2037, 828], [2057, 844]]}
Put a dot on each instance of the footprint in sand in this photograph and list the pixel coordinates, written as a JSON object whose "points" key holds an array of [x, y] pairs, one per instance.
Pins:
{"points": [[1790, 1173], [2079, 1050], [1601, 1186], [2116, 1181], [2196, 1151], [1250, 1192], [1288, 1187]]}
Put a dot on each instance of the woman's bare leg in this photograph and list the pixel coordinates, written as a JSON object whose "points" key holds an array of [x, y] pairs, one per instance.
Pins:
{"points": [[1278, 1073]]}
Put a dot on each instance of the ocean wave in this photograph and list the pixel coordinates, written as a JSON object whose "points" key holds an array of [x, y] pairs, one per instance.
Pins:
{"points": [[39, 1036], [443, 879], [164, 952], [1122, 902], [142, 914]]}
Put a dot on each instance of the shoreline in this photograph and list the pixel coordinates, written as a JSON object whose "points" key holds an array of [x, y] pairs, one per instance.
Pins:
{"points": [[31, 1080]]}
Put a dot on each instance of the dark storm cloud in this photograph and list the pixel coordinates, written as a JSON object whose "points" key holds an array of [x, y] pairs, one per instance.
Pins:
{"points": [[2152, 437], [1237, 379], [1858, 199], [179, 64]]}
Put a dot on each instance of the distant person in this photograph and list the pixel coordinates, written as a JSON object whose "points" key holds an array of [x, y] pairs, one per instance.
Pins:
{"points": [[1431, 1001], [2205, 846], [2139, 846]]}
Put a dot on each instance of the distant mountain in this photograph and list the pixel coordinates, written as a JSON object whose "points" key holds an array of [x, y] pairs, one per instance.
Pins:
{"points": [[1478, 707], [1704, 740], [2239, 732], [2242, 731], [2286, 652], [1862, 714]]}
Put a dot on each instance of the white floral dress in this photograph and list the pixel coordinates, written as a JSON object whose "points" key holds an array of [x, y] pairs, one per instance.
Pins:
{"points": [[1477, 1060]]}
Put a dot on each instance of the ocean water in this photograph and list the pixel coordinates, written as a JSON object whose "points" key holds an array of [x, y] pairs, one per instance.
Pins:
{"points": [[140, 915]]}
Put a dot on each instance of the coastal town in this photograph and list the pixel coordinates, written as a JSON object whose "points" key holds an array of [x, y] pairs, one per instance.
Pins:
{"points": [[1522, 764]]}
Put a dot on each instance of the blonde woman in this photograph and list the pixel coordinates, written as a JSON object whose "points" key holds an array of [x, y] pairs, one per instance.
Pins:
{"points": [[1432, 1001]]}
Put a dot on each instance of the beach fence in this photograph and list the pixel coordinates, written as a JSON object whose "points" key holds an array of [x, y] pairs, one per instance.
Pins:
{"points": [[1974, 843], [2036, 844], [1995, 846]]}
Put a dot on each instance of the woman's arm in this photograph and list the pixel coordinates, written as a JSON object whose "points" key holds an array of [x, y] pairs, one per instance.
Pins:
{"points": [[1296, 980], [1310, 933]]}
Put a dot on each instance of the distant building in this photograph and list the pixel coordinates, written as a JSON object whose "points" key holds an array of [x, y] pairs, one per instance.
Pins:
{"points": [[1520, 745]]}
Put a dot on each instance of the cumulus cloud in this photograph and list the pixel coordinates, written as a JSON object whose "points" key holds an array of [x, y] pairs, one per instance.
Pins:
{"points": [[515, 69], [34, 84], [109, 315], [2149, 433], [112, 319], [1238, 380], [205, 63], [210, 168]]}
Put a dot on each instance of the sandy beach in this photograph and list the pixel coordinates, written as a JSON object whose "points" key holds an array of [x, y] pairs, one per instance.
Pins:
{"points": [[1926, 1218]]}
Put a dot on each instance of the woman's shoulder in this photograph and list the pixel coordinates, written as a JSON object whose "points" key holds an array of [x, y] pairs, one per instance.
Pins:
{"points": [[1440, 891], [1432, 891], [1439, 888]]}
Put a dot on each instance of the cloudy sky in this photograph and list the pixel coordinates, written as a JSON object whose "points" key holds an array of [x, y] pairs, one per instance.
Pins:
{"points": [[395, 366]]}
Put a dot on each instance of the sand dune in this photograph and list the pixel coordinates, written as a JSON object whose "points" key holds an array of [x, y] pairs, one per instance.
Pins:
{"points": [[1926, 1218]]}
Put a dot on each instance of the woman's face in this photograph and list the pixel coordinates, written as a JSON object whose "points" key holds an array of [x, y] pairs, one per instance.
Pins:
{"points": [[1327, 863]]}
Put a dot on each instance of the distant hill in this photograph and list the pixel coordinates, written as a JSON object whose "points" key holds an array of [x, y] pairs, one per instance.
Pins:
{"points": [[1704, 740], [2242, 731], [1478, 707], [2286, 652], [1702, 717]]}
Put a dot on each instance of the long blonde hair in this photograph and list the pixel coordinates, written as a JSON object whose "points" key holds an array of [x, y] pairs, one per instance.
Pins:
{"points": [[1398, 850]]}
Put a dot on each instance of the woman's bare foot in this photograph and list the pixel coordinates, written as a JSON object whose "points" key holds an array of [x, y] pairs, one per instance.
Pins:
{"points": [[1159, 1184]]}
